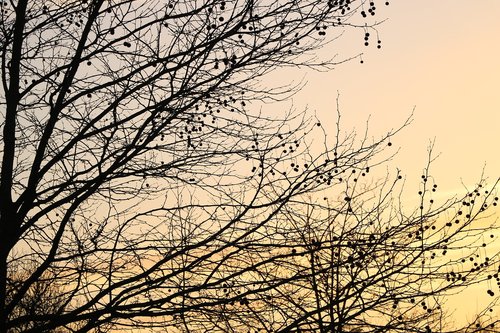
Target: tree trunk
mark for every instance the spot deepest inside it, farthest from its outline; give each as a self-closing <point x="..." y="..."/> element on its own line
<point x="3" y="284"/>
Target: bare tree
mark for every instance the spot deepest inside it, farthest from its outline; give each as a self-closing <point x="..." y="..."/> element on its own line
<point x="139" y="186"/>
<point x="363" y="262"/>
<point x="44" y="296"/>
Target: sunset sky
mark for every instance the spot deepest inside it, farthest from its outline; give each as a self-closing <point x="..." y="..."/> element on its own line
<point x="140" y="187"/>
<point x="441" y="58"/>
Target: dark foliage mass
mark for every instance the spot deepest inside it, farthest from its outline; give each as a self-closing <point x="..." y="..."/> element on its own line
<point x="144" y="186"/>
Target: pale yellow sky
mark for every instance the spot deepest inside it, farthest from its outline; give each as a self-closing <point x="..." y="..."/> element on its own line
<point x="441" y="57"/>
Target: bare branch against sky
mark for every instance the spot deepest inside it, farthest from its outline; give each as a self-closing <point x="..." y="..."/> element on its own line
<point x="146" y="186"/>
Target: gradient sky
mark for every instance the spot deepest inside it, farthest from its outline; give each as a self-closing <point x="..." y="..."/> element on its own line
<point x="441" y="57"/>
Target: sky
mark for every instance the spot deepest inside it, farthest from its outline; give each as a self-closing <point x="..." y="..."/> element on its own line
<point x="440" y="59"/>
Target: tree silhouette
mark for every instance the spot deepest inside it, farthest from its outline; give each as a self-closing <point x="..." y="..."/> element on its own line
<point x="362" y="263"/>
<point x="44" y="296"/>
<point x="141" y="187"/>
